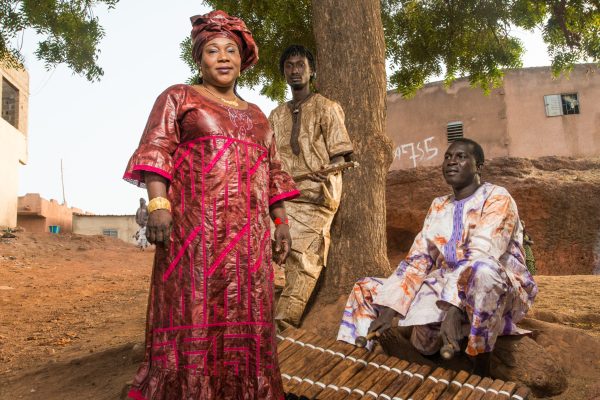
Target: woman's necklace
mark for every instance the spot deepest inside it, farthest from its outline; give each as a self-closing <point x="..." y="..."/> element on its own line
<point x="233" y="103"/>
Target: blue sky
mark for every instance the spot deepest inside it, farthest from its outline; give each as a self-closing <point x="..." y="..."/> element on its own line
<point x="94" y="127"/>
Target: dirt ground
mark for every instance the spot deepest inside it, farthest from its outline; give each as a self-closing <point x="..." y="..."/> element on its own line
<point x="72" y="312"/>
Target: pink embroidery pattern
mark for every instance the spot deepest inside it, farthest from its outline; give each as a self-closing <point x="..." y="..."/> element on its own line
<point x="222" y="239"/>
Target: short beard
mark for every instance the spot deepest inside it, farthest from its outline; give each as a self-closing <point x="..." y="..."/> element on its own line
<point x="297" y="86"/>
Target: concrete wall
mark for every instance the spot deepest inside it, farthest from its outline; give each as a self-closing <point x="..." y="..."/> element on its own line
<point x="13" y="147"/>
<point x="417" y="126"/>
<point x="510" y="121"/>
<point x="533" y="134"/>
<point x="36" y="214"/>
<point x="95" y="224"/>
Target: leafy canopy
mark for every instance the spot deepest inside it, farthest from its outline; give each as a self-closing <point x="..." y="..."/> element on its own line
<point x="426" y="38"/>
<point x="473" y="38"/>
<point x="69" y="28"/>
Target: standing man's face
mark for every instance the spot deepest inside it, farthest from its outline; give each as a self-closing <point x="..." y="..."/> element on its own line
<point x="297" y="72"/>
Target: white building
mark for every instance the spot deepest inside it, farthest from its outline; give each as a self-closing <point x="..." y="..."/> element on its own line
<point x="13" y="139"/>
<point x="123" y="227"/>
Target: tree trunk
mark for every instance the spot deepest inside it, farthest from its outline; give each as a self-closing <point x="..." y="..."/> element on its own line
<point x="351" y="71"/>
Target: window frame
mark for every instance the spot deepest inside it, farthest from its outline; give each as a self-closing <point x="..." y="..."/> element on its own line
<point x="564" y="103"/>
<point x="555" y="105"/>
<point x="110" y="230"/>
<point x="7" y="83"/>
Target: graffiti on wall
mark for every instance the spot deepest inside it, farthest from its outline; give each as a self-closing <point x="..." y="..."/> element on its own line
<point x="417" y="152"/>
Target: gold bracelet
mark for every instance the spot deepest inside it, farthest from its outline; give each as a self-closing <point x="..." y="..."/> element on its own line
<point x="159" y="203"/>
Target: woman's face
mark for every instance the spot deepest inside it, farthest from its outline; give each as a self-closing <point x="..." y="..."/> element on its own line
<point x="221" y="62"/>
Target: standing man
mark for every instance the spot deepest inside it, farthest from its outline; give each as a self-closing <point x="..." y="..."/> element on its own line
<point x="141" y="218"/>
<point x="141" y="215"/>
<point x="310" y="135"/>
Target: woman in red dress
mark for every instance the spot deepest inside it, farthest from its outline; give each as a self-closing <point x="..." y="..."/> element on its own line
<point x="213" y="176"/>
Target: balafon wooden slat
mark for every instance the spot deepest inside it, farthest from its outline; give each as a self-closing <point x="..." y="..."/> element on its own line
<point x="313" y="367"/>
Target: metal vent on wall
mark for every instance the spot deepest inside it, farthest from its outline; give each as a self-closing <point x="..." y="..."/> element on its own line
<point x="454" y="131"/>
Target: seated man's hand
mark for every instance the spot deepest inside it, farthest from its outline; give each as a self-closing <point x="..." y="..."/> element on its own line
<point x="383" y="320"/>
<point x="451" y="329"/>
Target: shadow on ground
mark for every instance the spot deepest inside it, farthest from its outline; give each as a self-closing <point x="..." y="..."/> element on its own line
<point x="99" y="376"/>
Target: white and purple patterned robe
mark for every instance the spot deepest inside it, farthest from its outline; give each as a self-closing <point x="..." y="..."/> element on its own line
<point x="469" y="254"/>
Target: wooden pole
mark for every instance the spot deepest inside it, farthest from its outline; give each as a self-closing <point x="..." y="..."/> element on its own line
<point x="62" y="181"/>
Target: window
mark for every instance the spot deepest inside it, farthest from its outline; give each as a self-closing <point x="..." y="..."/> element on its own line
<point x="454" y="130"/>
<point x="110" y="232"/>
<point x="10" y="103"/>
<point x="561" y="104"/>
<point x="570" y="104"/>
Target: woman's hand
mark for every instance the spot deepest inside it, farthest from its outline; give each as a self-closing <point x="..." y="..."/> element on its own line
<point x="283" y="242"/>
<point x="158" y="228"/>
<point x="383" y="320"/>
<point x="283" y="239"/>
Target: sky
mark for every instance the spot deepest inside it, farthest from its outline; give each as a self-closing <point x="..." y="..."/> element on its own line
<point x="95" y="127"/>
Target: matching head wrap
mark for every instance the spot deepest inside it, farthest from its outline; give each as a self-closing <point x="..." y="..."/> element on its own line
<point x="220" y="24"/>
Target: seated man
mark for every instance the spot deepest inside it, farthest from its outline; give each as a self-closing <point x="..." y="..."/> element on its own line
<point x="467" y="261"/>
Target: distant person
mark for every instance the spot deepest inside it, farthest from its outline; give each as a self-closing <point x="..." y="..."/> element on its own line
<point x="311" y="135"/>
<point x="209" y="161"/>
<point x="464" y="276"/>
<point x="141" y="218"/>
<point x="141" y="215"/>
<point x="141" y="239"/>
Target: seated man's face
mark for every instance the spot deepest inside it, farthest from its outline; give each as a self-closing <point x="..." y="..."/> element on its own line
<point x="459" y="166"/>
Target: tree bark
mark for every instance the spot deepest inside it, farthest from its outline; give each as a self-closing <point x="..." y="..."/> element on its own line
<point x="351" y="71"/>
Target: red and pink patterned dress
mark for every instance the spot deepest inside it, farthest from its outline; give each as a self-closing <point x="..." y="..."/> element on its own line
<point x="210" y="332"/>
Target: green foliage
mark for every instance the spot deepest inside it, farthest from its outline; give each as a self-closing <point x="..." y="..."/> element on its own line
<point x="275" y="24"/>
<point x="458" y="38"/>
<point x="454" y="38"/>
<point x="70" y="32"/>
<point x="186" y="57"/>
<point x="572" y="32"/>
<point x="426" y="38"/>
